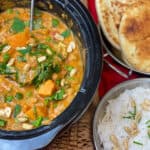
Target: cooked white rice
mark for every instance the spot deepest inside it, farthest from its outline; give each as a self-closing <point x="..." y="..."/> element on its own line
<point x="113" y="122"/>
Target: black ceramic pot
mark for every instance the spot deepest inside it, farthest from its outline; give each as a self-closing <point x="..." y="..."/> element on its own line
<point x="86" y="31"/>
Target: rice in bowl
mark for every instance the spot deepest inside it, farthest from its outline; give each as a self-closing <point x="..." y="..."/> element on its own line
<point x="126" y="124"/>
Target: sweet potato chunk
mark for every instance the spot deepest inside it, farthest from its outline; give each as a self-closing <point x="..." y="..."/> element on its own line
<point x="47" y="88"/>
<point x="19" y="39"/>
<point x="41" y="111"/>
<point x="30" y="113"/>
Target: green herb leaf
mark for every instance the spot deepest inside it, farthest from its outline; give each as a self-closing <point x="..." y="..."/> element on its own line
<point x="131" y="115"/>
<point x="2" y="123"/>
<point x="127" y="117"/>
<point x="38" y="122"/>
<point x="5" y="70"/>
<point x="2" y="46"/>
<point x="19" y="96"/>
<point x="9" y="99"/>
<point x="134" y="111"/>
<point x="66" y="33"/>
<point x="70" y="78"/>
<point x="56" y="68"/>
<point x="17" y="110"/>
<point x="25" y="50"/>
<point x="69" y="68"/>
<point x="147" y="122"/>
<point x="46" y="101"/>
<point x="41" y="50"/>
<point x="148" y="133"/>
<point x="6" y="57"/>
<point x="58" y="82"/>
<point x="48" y="39"/>
<point x="44" y="72"/>
<point x="60" y="56"/>
<point x="138" y="143"/>
<point x="2" y="68"/>
<point x="42" y="46"/>
<point x="21" y="58"/>
<point x="18" y="25"/>
<point x="55" y="22"/>
<point x="59" y="94"/>
<point x="56" y="96"/>
<point x="29" y="94"/>
<point x="10" y="11"/>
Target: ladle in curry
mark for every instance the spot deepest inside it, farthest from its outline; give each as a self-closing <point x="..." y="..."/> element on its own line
<point x="31" y="14"/>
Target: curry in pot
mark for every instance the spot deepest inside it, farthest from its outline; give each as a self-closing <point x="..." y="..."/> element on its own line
<point x="40" y="71"/>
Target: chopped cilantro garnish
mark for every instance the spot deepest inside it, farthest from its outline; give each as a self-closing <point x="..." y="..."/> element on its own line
<point x="48" y="39"/>
<point x="38" y="122"/>
<point x="5" y="70"/>
<point x="19" y="96"/>
<point x="21" y="58"/>
<point x="69" y="68"/>
<point x="147" y="122"/>
<point x="56" y="68"/>
<point x="6" y="57"/>
<point x="9" y="98"/>
<point x="18" y="25"/>
<point x="58" y="82"/>
<point x="56" y="96"/>
<point x="2" y="123"/>
<point x="17" y="110"/>
<point x="59" y="94"/>
<point x="148" y="133"/>
<point x="131" y="115"/>
<point x="2" y="46"/>
<point x="29" y="94"/>
<point x="66" y="33"/>
<point x="45" y="71"/>
<point x="25" y="50"/>
<point x="55" y="22"/>
<point x="138" y="143"/>
<point x="42" y="46"/>
<point x="10" y="11"/>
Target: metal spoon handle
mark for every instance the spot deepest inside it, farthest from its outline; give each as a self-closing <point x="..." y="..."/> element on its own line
<point x="31" y="14"/>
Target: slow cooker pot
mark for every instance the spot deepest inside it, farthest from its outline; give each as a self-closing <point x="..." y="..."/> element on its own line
<point x="76" y="16"/>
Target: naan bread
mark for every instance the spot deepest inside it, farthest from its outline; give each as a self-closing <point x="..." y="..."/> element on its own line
<point x="134" y="35"/>
<point x="109" y="14"/>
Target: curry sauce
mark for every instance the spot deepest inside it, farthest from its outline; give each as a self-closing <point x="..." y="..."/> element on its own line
<point x="40" y="71"/>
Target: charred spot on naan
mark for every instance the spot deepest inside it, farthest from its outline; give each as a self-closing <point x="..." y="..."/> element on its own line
<point x="134" y="26"/>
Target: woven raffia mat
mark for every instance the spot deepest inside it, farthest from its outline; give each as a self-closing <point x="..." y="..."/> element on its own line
<point x="79" y="135"/>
